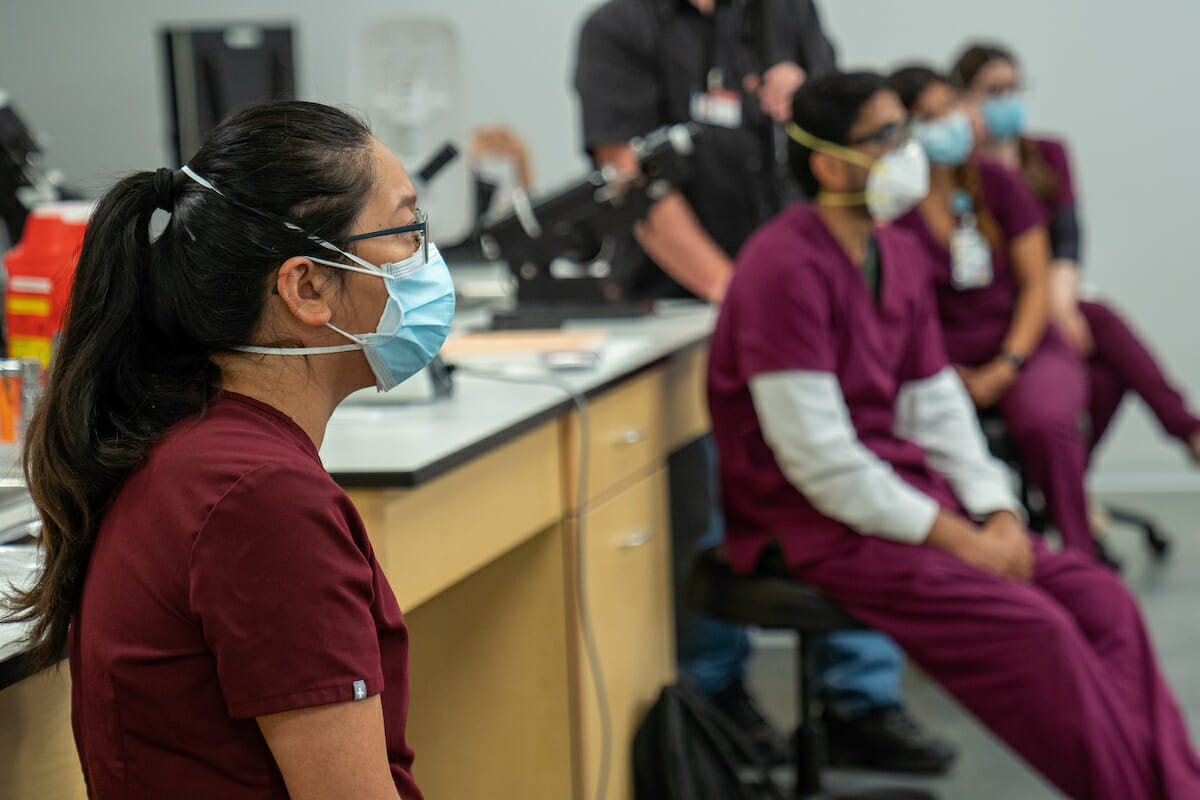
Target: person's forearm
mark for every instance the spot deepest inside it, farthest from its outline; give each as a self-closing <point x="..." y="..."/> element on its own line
<point x="1030" y="260"/>
<point x="1064" y="286"/>
<point x="678" y="243"/>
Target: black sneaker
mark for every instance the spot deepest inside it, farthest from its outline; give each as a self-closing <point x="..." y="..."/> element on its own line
<point x="772" y="746"/>
<point x="885" y="739"/>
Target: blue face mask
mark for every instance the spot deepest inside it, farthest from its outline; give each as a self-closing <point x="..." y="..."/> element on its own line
<point x="414" y="323"/>
<point x="1005" y="116"/>
<point x="948" y="141"/>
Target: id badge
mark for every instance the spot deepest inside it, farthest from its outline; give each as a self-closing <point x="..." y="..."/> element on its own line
<point x="720" y="107"/>
<point x="970" y="259"/>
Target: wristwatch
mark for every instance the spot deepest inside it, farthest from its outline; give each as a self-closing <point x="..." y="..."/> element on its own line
<point x="1017" y="361"/>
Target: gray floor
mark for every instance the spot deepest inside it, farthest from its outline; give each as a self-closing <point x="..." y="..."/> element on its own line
<point x="986" y="769"/>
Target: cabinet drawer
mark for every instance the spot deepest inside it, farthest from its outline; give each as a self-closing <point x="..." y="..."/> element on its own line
<point x="627" y="548"/>
<point x="625" y="436"/>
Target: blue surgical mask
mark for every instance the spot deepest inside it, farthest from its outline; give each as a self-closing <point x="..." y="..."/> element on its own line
<point x="948" y="141"/>
<point x="414" y="323"/>
<point x="1005" y="116"/>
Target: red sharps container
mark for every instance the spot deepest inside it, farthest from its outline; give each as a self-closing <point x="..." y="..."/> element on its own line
<point x="40" y="269"/>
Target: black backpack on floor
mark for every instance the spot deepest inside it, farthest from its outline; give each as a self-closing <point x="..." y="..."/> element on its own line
<point x="686" y="749"/>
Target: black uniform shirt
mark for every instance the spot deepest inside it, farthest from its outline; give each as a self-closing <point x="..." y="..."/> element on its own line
<point x="641" y="62"/>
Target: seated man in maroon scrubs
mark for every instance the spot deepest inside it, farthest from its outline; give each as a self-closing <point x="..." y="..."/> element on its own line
<point x="848" y="440"/>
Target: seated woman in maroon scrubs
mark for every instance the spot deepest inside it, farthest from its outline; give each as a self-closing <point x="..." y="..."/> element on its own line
<point x="846" y="438"/>
<point x="1118" y="361"/>
<point x="985" y="233"/>
<point x="231" y="633"/>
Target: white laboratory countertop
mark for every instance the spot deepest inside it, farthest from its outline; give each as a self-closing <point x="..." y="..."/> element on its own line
<point x="404" y="444"/>
<point x="18" y="567"/>
<point x="408" y="443"/>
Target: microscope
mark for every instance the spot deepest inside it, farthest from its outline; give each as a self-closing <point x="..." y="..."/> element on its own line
<point x="562" y="249"/>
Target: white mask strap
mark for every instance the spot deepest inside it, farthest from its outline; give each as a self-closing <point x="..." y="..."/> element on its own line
<point x="307" y="351"/>
<point x="186" y="170"/>
<point x="378" y="273"/>
<point x="364" y="266"/>
<point x="298" y="351"/>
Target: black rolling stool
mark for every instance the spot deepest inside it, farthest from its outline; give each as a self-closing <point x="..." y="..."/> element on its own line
<point x="770" y="599"/>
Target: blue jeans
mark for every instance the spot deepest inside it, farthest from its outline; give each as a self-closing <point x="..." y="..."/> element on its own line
<point x="857" y="670"/>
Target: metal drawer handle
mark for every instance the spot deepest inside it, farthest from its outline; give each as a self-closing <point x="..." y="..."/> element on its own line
<point x="632" y="436"/>
<point x="636" y="539"/>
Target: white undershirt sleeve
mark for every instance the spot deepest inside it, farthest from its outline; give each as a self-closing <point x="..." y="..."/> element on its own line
<point x="806" y="424"/>
<point x="937" y="414"/>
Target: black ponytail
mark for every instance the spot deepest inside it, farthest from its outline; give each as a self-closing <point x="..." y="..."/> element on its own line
<point x="146" y="314"/>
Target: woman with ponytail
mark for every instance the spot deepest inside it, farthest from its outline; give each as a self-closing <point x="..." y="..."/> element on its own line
<point x="1118" y="360"/>
<point x="230" y="631"/>
<point x="985" y="234"/>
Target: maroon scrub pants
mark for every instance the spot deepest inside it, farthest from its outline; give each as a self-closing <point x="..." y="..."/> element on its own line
<point x="1045" y="409"/>
<point x="1122" y="363"/>
<point x="1060" y="668"/>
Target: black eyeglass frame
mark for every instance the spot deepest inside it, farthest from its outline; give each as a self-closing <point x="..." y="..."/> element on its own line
<point x="893" y="133"/>
<point x="421" y="226"/>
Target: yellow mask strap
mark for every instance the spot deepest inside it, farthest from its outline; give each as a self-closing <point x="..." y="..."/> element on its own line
<point x="841" y="198"/>
<point x="805" y="138"/>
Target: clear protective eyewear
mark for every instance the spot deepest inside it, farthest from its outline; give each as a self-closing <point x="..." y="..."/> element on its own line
<point x="418" y="230"/>
<point x="893" y="136"/>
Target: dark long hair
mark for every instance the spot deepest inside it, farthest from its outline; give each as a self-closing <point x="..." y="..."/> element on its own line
<point x="827" y="106"/>
<point x="146" y="314"/>
<point x="1038" y="174"/>
<point x="910" y="83"/>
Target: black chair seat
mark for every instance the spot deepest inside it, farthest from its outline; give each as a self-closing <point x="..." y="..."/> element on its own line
<point x="768" y="600"/>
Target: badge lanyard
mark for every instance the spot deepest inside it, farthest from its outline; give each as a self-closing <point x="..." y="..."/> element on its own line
<point x="970" y="253"/>
<point x="715" y="103"/>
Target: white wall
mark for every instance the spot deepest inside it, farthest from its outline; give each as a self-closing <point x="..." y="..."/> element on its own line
<point x="87" y="76"/>
<point x="1118" y="79"/>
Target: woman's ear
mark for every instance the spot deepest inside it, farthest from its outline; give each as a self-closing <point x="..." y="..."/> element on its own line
<point x="307" y="291"/>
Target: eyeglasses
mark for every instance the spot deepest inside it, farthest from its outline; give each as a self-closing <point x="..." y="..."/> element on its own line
<point x="1005" y="89"/>
<point x="893" y="134"/>
<point x="418" y="232"/>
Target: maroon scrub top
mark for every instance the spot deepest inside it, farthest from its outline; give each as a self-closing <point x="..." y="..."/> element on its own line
<point x="231" y="578"/>
<point x="797" y="303"/>
<point x="1062" y="218"/>
<point x="976" y="321"/>
<point x="1054" y="153"/>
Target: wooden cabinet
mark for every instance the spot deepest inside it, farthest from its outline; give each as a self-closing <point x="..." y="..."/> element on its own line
<point x="626" y="547"/>
<point x="429" y="538"/>
<point x="37" y="749"/>
<point x="490" y="709"/>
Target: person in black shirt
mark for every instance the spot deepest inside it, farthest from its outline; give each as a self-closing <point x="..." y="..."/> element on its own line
<point x="647" y="63"/>
<point x="730" y="66"/>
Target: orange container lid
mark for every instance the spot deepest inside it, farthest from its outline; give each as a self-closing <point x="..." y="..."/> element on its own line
<point x="52" y="230"/>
